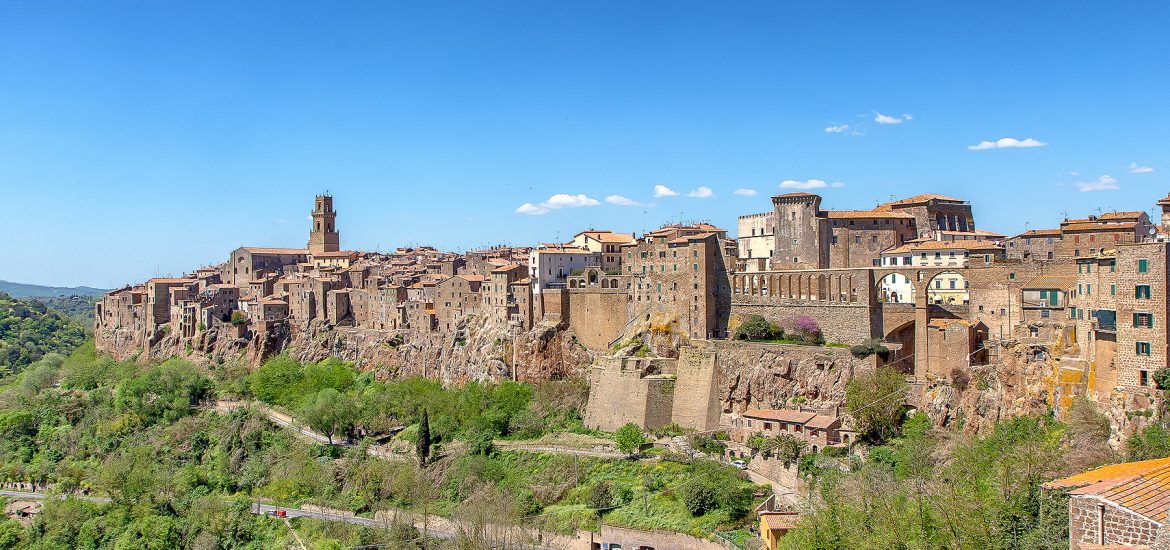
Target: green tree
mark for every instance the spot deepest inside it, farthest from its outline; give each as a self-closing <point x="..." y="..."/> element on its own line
<point x="329" y="412"/>
<point x="1150" y="443"/>
<point x="788" y="449"/>
<point x="875" y="400"/>
<point x="698" y="495"/>
<point x="756" y="328"/>
<point x="422" y="446"/>
<point x="630" y="438"/>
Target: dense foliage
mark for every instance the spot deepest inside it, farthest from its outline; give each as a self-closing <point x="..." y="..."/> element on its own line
<point x="929" y="489"/>
<point x="800" y="329"/>
<point x="29" y="330"/>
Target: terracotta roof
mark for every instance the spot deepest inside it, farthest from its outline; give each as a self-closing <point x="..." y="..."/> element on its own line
<point x="943" y="323"/>
<point x="1140" y="487"/>
<point x="1099" y="226"/>
<point x="523" y="281"/>
<point x="1039" y="233"/>
<point x="337" y="254"/>
<point x="170" y="281"/>
<point x="1164" y="202"/>
<point x="286" y="251"/>
<point x="561" y="249"/>
<point x="1129" y="215"/>
<point x="607" y="236"/>
<point x="506" y="267"/>
<point x="921" y="199"/>
<point x="778" y="520"/>
<point x="780" y="415"/>
<point x="944" y="245"/>
<point x="844" y="214"/>
<point x="1052" y="281"/>
<point x="822" y="421"/>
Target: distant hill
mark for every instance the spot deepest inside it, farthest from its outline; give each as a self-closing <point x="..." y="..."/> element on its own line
<point x="29" y="330"/>
<point x="22" y="290"/>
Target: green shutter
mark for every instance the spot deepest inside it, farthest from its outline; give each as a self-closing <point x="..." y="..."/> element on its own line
<point x="1143" y="266"/>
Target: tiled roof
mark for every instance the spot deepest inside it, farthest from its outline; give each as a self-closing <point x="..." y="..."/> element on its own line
<point x="921" y="199"/>
<point x="780" y="415"/>
<point x="1129" y="215"/>
<point x="1051" y="281"/>
<point x="170" y="280"/>
<point x="286" y="251"/>
<point x="337" y="254"/>
<point x="1039" y="233"/>
<point x="1141" y="487"/>
<point x="866" y="214"/>
<point x="822" y="422"/>
<point x="1099" y="226"/>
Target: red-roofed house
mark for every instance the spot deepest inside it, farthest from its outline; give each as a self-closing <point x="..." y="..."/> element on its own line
<point x="1121" y="506"/>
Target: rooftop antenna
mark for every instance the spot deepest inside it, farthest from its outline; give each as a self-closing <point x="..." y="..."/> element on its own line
<point x="1064" y="214"/>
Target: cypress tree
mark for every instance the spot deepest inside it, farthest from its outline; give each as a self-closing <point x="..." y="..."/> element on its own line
<point x="423" y="445"/>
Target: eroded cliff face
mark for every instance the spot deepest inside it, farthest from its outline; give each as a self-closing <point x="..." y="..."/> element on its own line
<point x="479" y="350"/>
<point x="784" y="376"/>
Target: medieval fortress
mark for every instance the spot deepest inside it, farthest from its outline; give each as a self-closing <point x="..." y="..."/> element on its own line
<point x="983" y="325"/>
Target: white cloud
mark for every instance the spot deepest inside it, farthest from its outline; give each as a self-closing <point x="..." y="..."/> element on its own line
<point x="887" y="119"/>
<point x="1006" y="143"/>
<point x="557" y="201"/>
<point x="1103" y="183"/>
<point x="745" y="192"/>
<point x="531" y="209"/>
<point x="280" y="220"/>
<point x="809" y="184"/>
<point x="1074" y="173"/>
<point x="837" y="129"/>
<point x="703" y="192"/>
<point x="1135" y="169"/>
<point x="622" y="201"/>
<point x="664" y="191"/>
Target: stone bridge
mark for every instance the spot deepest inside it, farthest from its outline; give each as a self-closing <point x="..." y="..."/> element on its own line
<point x="850" y="305"/>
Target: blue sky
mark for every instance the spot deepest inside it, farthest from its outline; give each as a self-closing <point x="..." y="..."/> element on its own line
<point x="151" y="138"/>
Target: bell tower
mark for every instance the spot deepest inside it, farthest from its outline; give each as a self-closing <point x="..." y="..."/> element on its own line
<point x="323" y="236"/>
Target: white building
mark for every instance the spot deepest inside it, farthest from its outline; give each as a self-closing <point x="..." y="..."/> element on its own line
<point x="945" y="288"/>
<point x="757" y="240"/>
<point x="550" y="264"/>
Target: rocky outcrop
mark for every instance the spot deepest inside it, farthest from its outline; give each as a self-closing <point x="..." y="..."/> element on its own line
<point x="478" y="350"/>
<point x="754" y="375"/>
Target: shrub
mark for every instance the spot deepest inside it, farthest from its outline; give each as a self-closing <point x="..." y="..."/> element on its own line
<point x="629" y="438"/>
<point x="873" y="346"/>
<point x="803" y="328"/>
<point x="756" y="328"/>
<point x="1162" y="378"/>
<point x="698" y="496"/>
<point x="238" y="317"/>
<point x="600" y="496"/>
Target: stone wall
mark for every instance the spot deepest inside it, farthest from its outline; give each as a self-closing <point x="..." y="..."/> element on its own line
<point x="774" y="376"/>
<point x="627" y="389"/>
<point x="696" y="398"/>
<point x="1122" y="527"/>
<point x="598" y="316"/>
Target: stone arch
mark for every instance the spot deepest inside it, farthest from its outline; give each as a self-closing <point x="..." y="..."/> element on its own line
<point x="948" y="288"/>
<point x="605" y="283"/>
<point x="822" y="290"/>
<point x="613" y="283"/>
<point x="896" y="288"/>
<point x="592" y="277"/>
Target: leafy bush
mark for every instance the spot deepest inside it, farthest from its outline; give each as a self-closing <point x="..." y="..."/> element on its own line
<point x="872" y="346"/>
<point x="1162" y="378"/>
<point x="238" y="317"/>
<point x="698" y="496"/>
<point x="803" y="328"/>
<point x="629" y="438"/>
<point x="757" y="328"/>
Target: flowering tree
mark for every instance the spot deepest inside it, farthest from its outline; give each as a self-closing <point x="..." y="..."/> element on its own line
<point x="803" y="328"/>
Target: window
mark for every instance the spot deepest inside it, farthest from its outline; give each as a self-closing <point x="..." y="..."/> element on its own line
<point x="1141" y="292"/>
<point x="1143" y="266"/>
<point x="1011" y="276"/>
<point x="1113" y="290"/>
<point x="1143" y="320"/>
<point x="1142" y="348"/>
<point x="1072" y="313"/>
<point x="1144" y="377"/>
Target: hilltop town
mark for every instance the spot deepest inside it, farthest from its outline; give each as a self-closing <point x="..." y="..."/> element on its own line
<point x="984" y="325"/>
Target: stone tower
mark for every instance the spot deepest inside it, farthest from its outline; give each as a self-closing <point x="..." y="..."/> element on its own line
<point x="1164" y="204"/>
<point x="323" y="236"/>
<point x="799" y="239"/>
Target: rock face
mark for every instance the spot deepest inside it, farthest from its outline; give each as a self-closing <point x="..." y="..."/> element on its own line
<point x="753" y="375"/>
<point x="479" y="350"/>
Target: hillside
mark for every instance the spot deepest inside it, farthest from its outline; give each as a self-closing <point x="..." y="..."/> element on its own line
<point x="24" y="290"/>
<point x="29" y="330"/>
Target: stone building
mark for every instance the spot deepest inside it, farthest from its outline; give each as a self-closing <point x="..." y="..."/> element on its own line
<point x="1090" y="235"/>
<point x="550" y="264"/>
<point x="1118" y="506"/>
<point x="817" y="430"/>
<point x="456" y="298"/>
<point x="934" y="214"/>
<point x="679" y="279"/>
<point x="756" y="241"/>
<point x="249" y="262"/>
<point x="807" y="237"/>
<point x="654" y="392"/>
<point x="1034" y="245"/>
<point x="323" y="237"/>
<point x="1120" y="310"/>
<point x="607" y="243"/>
